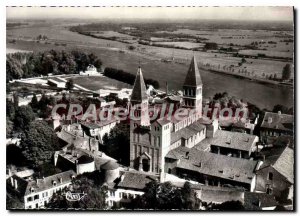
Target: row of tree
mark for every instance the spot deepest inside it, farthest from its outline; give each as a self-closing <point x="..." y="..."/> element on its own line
<point x="26" y="65"/>
<point x="127" y="77"/>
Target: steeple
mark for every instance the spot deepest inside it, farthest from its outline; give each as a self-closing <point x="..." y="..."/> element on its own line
<point x="192" y="88"/>
<point x="139" y="101"/>
<point x="139" y="91"/>
<point x="193" y="78"/>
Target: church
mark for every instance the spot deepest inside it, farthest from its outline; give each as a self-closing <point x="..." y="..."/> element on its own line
<point x="150" y="141"/>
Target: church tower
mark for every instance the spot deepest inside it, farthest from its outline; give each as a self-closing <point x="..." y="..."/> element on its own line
<point x="139" y="101"/>
<point x="192" y="88"/>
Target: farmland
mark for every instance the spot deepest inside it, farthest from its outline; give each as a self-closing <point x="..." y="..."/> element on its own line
<point x="150" y="60"/>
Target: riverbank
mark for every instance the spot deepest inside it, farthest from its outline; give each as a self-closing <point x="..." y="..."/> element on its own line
<point x="253" y="79"/>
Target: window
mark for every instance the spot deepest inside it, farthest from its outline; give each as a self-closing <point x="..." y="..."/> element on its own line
<point x="36" y="197"/>
<point x="269" y="189"/>
<point x="270" y="176"/>
<point x="29" y="199"/>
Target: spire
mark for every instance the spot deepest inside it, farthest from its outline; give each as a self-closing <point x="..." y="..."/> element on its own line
<point x="193" y="77"/>
<point x="139" y="88"/>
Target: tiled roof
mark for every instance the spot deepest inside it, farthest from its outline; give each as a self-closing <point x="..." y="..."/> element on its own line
<point x="285" y="164"/>
<point x="187" y="132"/>
<point x="110" y="165"/>
<point x="85" y="159"/>
<point x="24" y="187"/>
<point x="90" y="125"/>
<point x="163" y="121"/>
<point x="136" y="180"/>
<point x="235" y="169"/>
<point x="279" y="121"/>
<point x="220" y="196"/>
<point x="233" y="140"/>
<point x="139" y="91"/>
<point x="257" y="201"/>
<point x="193" y="77"/>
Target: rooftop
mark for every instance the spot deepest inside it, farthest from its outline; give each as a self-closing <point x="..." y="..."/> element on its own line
<point x="136" y="180"/>
<point x="139" y="88"/>
<point x="24" y="186"/>
<point x="193" y="77"/>
<point x="278" y="121"/>
<point x="235" y="169"/>
<point x="281" y="159"/>
<point x="257" y="201"/>
<point x="233" y="140"/>
<point x="285" y="164"/>
<point x="187" y="132"/>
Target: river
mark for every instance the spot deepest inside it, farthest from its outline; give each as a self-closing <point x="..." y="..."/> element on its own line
<point x="264" y="96"/>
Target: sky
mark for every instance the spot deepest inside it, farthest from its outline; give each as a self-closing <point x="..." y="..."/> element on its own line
<point x="217" y="13"/>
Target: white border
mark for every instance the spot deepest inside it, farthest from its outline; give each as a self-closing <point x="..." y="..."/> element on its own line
<point x="116" y="3"/>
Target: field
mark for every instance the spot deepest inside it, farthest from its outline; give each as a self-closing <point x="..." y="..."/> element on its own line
<point x="149" y="57"/>
<point x="246" y="37"/>
<point x="95" y="83"/>
<point x="184" y="45"/>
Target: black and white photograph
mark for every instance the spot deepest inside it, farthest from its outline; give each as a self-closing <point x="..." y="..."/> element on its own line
<point x="150" y="108"/>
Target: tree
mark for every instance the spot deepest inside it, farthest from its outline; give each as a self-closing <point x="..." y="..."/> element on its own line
<point x="70" y="84"/>
<point x="165" y="196"/>
<point x="210" y="46"/>
<point x="38" y="143"/>
<point x="286" y="72"/>
<point x="228" y="206"/>
<point x="281" y="108"/>
<point x="86" y="183"/>
<point x="13" y="202"/>
<point x="23" y="117"/>
<point x="46" y="169"/>
<point x="34" y="103"/>
<point x="117" y="142"/>
<point x="15" y="156"/>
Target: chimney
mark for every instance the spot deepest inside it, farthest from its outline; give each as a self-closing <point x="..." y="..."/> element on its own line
<point x="16" y="184"/>
<point x="270" y="120"/>
<point x="12" y="181"/>
<point x="60" y="180"/>
<point x="279" y="112"/>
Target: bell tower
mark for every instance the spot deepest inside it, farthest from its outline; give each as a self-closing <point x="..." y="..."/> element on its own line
<point x="139" y="101"/>
<point x="192" y="88"/>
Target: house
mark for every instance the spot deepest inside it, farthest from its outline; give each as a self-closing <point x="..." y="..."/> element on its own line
<point x="79" y="160"/>
<point x="98" y="129"/>
<point x="123" y="184"/>
<point x="233" y="144"/>
<point x="275" y="125"/>
<point x="212" y="169"/>
<point x="276" y="175"/>
<point x="244" y="126"/>
<point x="90" y="70"/>
<point x="259" y="201"/>
<point x="36" y="193"/>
